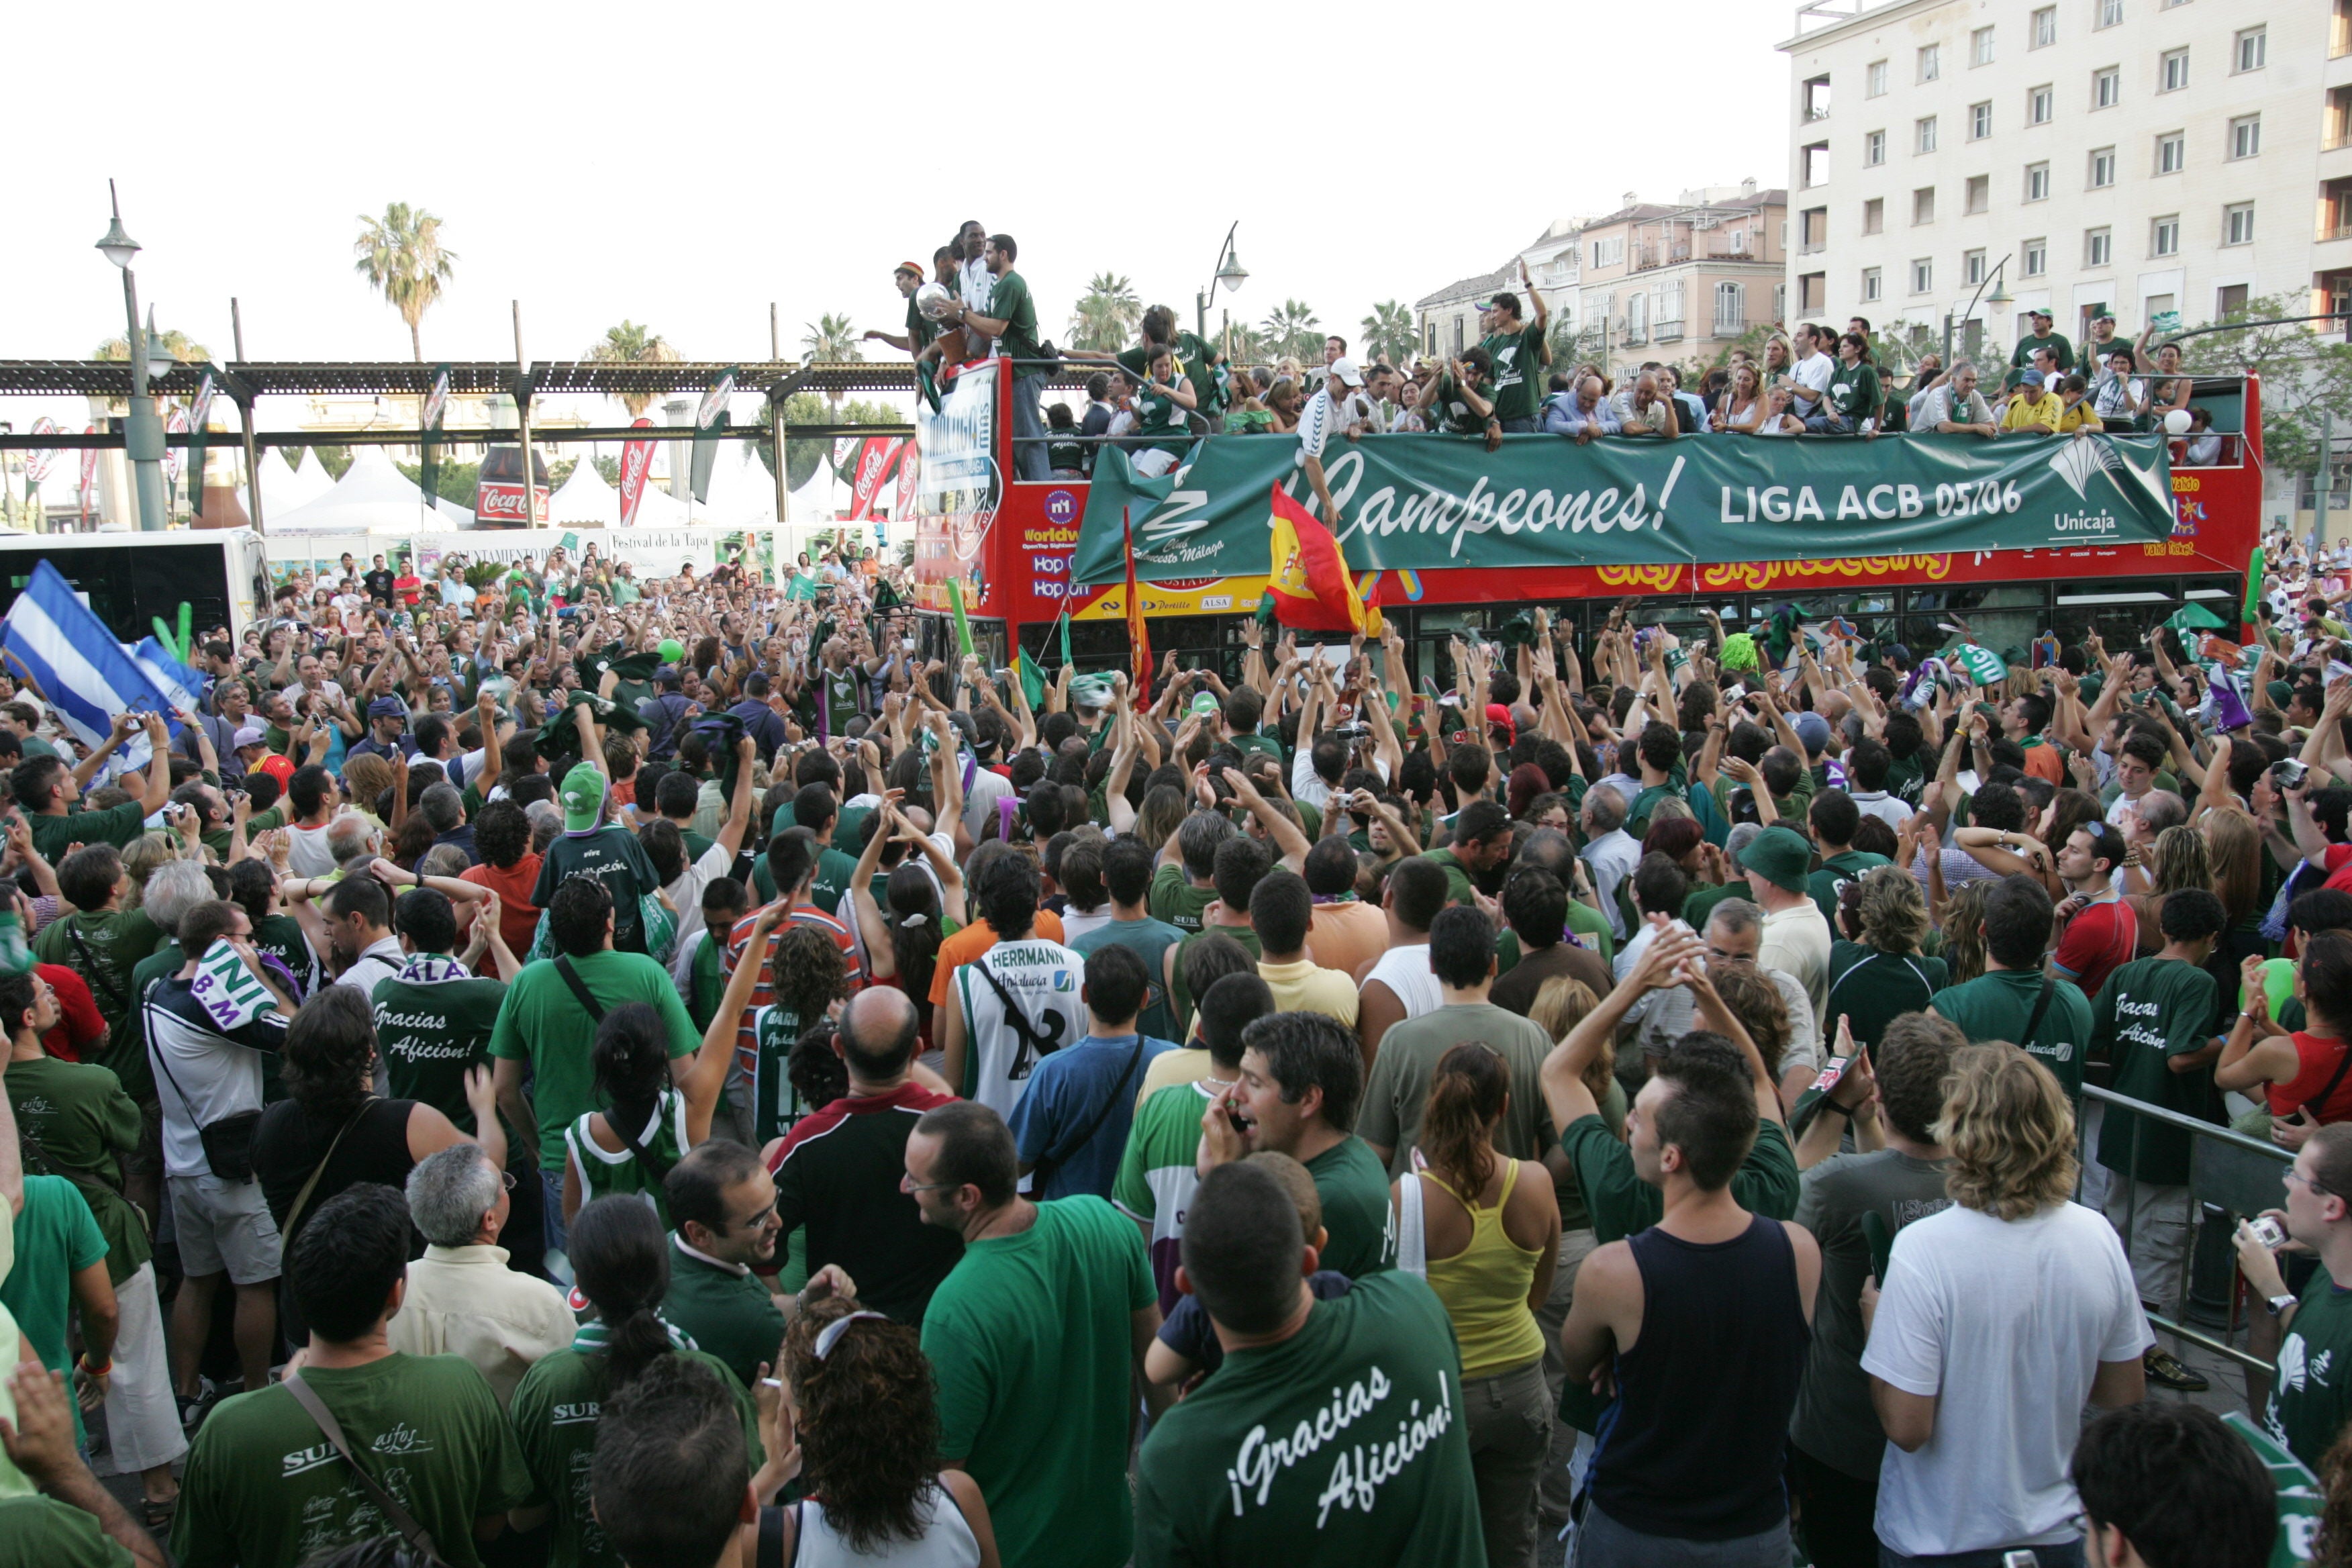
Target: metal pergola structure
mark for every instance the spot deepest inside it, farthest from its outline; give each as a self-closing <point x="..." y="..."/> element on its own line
<point x="246" y="384"/>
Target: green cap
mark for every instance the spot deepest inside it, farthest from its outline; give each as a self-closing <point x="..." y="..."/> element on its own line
<point x="583" y="797"/>
<point x="1204" y="705"/>
<point x="1780" y="855"/>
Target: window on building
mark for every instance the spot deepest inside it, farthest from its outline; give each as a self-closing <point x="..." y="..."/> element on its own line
<point x="2045" y="27"/>
<point x="2110" y="14"/>
<point x="1922" y="205"/>
<point x="2340" y="35"/>
<point x="2172" y="70"/>
<point x="1812" y="230"/>
<point x="1923" y="275"/>
<point x="1817" y="97"/>
<point x="1931" y="62"/>
<point x="1980" y="46"/>
<point x="2245" y="136"/>
<point x="1428" y="337"/>
<point x="2098" y="247"/>
<point x="1925" y="135"/>
<point x="2336" y="119"/>
<point x="1873" y="77"/>
<point x="1730" y="309"/>
<point x="2252" y="50"/>
<point x="2035" y="254"/>
<point x="1979" y="121"/>
<point x="1637" y="319"/>
<point x="2103" y="168"/>
<point x="1812" y="292"/>
<point x="1870" y="284"/>
<point x="2037" y="182"/>
<point x="2040" y="103"/>
<point x="1972" y="268"/>
<point x="2171" y="152"/>
<point x="2229" y="299"/>
<point x="1814" y="164"/>
<point x="2164" y="236"/>
<point x="1874" y="216"/>
<point x="2238" y="220"/>
<point x="2106" y="87"/>
<point x="1874" y="149"/>
<point x="1979" y="193"/>
<point x="1780" y="302"/>
<point x="1608" y="252"/>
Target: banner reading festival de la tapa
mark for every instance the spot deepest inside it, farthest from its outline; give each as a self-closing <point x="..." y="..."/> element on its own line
<point x="1417" y="502"/>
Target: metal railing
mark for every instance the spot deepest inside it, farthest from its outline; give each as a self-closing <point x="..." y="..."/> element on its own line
<point x="2230" y="1174"/>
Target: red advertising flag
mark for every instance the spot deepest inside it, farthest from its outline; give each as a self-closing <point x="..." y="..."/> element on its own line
<point x="89" y="470"/>
<point x="910" y="468"/>
<point x="636" y="463"/>
<point x="1138" y="632"/>
<point x="872" y="468"/>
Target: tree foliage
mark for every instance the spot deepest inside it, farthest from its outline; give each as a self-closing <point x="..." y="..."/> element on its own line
<point x="184" y="348"/>
<point x="831" y="339"/>
<point x="456" y="481"/>
<point x="1292" y="328"/>
<point x="1389" y="332"/>
<point x="1105" y="315"/>
<point x="802" y="457"/>
<point x="630" y="343"/>
<point x="2306" y="373"/>
<point x="401" y="256"/>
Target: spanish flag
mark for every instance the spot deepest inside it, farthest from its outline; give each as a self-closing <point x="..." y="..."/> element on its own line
<point x="1138" y="632"/>
<point x="1309" y="576"/>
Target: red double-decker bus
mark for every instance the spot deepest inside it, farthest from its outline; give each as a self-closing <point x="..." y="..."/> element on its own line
<point x="1011" y="544"/>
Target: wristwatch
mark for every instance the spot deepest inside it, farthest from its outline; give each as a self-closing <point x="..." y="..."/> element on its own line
<point x="2279" y="1304"/>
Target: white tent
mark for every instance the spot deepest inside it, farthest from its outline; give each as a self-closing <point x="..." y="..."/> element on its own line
<point x="656" y="508"/>
<point x="742" y="492"/>
<point x="371" y="495"/>
<point x="457" y="516"/>
<point x="285" y="486"/>
<point x="586" y="499"/>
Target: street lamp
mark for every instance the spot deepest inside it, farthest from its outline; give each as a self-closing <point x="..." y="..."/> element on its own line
<point x="1230" y="272"/>
<point x="142" y="439"/>
<point x="1998" y="301"/>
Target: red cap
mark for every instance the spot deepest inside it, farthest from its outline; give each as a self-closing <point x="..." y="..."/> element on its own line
<point x="276" y="766"/>
<point x="1498" y="714"/>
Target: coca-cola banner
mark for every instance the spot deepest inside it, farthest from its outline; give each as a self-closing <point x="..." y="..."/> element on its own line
<point x="637" y="464"/>
<point x="874" y="464"/>
<point x="502" y="502"/>
<point x="910" y="468"/>
<point x="38" y="460"/>
<point x="89" y="470"/>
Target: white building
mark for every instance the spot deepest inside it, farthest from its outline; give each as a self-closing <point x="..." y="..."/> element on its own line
<point x="2152" y="155"/>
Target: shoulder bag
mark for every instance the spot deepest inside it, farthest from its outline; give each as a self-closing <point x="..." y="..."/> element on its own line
<point x="418" y="1538"/>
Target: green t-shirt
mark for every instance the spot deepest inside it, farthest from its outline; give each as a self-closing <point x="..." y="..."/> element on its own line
<point x="1176" y="900"/>
<point x="1180" y="996"/>
<point x="1620" y="1202"/>
<point x="731" y="1315"/>
<point x="42" y="1531"/>
<point x="2311" y="1397"/>
<point x="1159" y="416"/>
<point x="1255" y="743"/>
<point x="1872" y="988"/>
<point x="1009" y="301"/>
<point x="542" y="1022"/>
<point x="1239" y="1472"/>
<point x="1361" y="1221"/>
<point x="117" y="825"/>
<point x="220" y="839"/>
<point x="1148" y="940"/>
<point x="282" y="937"/>
<point x="1591" y="928"/>
<point x="429" y="1033"/>
<point x="263" y="1485"/>
<point x="2148" y="1012"/>
<point x="828" y="889"/>
<point x="56" y="1238"/>
<point x="775" y="1104"/>
<point x="102" y="947"/>
<point x="1519" y="369"/>
<point x="1836" y="872"/>
<point x="1853" y="390"/>
<point x="1459" y="889"/>
<point x="1454" y="417"/>
<point x="1030" y="1341"/>
<point x="74" y="1118"/>
<point x="614" y="856"/>
<point x="555" y="1414"/>
<point x="1995" y="1006"/>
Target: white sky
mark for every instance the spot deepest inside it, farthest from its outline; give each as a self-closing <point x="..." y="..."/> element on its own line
<point x="684" y="168"/>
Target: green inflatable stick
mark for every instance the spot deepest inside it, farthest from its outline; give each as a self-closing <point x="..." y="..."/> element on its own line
<point x="187" y="616"/>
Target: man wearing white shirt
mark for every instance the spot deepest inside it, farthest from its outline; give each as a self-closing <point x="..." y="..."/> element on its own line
<point x="975" y="282"/>
<point x="462" y="1299"/>
<point x="1812" y="374"/>
<point x="1324" y="417"/>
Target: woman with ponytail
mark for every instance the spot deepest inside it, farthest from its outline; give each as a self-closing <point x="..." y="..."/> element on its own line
<point x="650" y="1120"/>
<point x="859" y="1428"/>
<point x="921" y="905"/>
<point x="620" y="1259"/>
<point x="1489" y="1228"/>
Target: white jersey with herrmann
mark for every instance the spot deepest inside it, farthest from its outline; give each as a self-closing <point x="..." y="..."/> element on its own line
<point x="1021" y="1002"/>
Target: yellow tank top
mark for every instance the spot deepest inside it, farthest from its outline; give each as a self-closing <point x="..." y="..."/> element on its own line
<point x="1484" y="1288"/>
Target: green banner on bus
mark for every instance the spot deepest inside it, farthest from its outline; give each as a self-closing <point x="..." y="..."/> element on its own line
<point x="1418" y="502"/>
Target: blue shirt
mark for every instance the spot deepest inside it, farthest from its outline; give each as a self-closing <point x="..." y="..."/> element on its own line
<point x="1078" y="1109"/>
<point x="1562" y="417"/>
<point x="760" y="723"/>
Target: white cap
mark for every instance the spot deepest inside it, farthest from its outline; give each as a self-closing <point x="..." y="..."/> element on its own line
<point x="1344" y="371"/>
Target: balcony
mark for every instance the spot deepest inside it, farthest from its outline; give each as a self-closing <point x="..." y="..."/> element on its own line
<point x="1649" y="258"/>
<point x="1670" y="331"/>
<point x="1632" y="337"/>
<point x="1730" y="326"/>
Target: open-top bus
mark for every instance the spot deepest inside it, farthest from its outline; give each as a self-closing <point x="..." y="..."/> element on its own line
<point x="2021" y="535"/>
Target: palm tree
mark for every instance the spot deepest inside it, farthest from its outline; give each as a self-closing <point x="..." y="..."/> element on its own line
<point x="630" y="343"/>
<point x="401" y="257"/>
<point x="1291" y="326"/>
<point x="1105" y="315"/>
<point x="830" y="339"/>
<point x="184" y="348"/>
<point x="1389" y="334"/>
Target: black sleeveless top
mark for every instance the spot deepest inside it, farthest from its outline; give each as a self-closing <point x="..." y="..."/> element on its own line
<point x="1693" y="1446"/>
<point x="289" y="1142"/>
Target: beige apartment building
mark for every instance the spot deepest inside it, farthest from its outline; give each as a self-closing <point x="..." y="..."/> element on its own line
<point x="2169" y="159"/>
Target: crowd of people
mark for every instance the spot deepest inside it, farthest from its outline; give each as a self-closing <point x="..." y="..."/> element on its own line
<point x="681" y="1078"/>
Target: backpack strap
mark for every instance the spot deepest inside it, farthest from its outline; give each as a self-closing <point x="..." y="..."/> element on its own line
<point x="399" y="1518"/>
<point x="579" y="987"/>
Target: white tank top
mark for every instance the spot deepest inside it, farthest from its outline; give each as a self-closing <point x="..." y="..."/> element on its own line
<point x="1406" y="972"/>
<point x="947" y="1542"/>
<point x="1042" y="981"/>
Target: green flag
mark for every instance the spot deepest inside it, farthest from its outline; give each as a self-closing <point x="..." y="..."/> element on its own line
<point x="2255" y="568"/>
<point x="2194" y="618"/>
<point x="1981" y="663"/>
<point x="1066" y="657"/>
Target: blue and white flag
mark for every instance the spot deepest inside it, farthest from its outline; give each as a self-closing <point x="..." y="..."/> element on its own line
<point x="181" y="686"/>
<point x="54" y="641"/>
